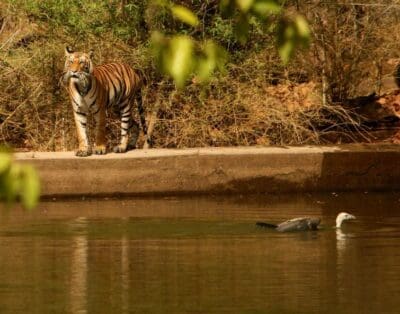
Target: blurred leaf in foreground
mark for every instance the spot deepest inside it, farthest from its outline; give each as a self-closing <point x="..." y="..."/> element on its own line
<point x="264" y="8"/>
<point x="185" y="15"/>
<point x="18" y="181"/>
<point x="213" y="58"/>
<point x="30" y="187"/>
<point x="180" y="59"/>
<point x="292" y="34"/>
<point x="5" y="162"/>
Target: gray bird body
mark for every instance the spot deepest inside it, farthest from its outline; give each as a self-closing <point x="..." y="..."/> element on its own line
<point x="299" y="224"/>
<point x="303" y="223"/>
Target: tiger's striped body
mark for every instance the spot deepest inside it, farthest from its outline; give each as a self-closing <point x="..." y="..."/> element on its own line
<point x="94" y="90"/>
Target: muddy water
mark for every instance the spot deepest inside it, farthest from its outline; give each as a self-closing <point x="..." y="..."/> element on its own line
<point x="201" y="255"/>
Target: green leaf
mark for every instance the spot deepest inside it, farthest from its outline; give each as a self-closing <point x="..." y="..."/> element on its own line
<point x="185" y="15"/>
<point x="266" y="7"/>
<point x="291" y="34"/>
<point x="205" y="68"/>
<point x="5" y="162"/>
<point x="286" y="51"/>
<point x="12" y="183"/>
<point x="303" y="29"/>
<point x="30" y="187"/>
<point x="207" y="64"/>
<point x="285" y="40"/>
<point x="179" y="60"/>
<point x="244" y="5"/>
<point x="214" y="58"/>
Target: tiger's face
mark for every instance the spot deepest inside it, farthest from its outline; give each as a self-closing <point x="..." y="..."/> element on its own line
<point x="78" y="66"/>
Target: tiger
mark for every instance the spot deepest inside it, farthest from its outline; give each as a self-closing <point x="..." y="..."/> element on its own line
<point x="95" y="89"/>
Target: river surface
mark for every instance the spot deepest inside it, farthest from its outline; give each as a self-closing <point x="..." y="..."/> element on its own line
<point x="201" y="255"/>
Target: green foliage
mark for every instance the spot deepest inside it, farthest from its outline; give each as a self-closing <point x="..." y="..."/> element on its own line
<point x="66" y="13"/>
<point x="243" y="11"/>
<point x="292" y="34"/>
<point x="175" y="56"/>
<point x="178" y="57"/>
<point x="202" y="31"/>
<point x="18" y="181"/>
<point x="182" y="56"/>
<point x="82" y="17"/>
<point x="222" y="31"/>
<point x="348" y="48"/>
<point x="228" y="24"/>
<point x="213" y="57"/>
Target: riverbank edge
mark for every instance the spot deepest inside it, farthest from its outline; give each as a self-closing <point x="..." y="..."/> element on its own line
<point x="225" y="170"/>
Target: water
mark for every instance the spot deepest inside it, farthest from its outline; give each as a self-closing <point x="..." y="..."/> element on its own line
<point x="201" y="255"/>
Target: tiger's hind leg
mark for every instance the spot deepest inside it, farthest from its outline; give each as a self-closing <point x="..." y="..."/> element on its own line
<point x="139" y="103"/>
<point x="135" y="130"/>
<point x="127" y="124"/>
<point x="132" y="139"/>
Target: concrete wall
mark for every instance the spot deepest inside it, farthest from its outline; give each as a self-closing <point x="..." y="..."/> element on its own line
<point x="219" y="170"/>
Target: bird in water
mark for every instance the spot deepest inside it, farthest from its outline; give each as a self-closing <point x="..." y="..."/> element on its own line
<point x="304" y="223"/>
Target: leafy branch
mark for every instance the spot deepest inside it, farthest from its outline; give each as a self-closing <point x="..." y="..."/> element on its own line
<point x="181" y="56"/>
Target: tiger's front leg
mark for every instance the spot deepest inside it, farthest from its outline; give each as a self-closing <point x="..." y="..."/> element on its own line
<point x="100" y="119"/>
<point x="81" y="122"/>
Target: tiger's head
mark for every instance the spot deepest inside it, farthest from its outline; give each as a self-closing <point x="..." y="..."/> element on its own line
<point x="78" y="68"/>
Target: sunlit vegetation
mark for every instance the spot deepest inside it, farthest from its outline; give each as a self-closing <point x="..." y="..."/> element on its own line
<point x="181" y="56"/>
<point x="229" y="72"/>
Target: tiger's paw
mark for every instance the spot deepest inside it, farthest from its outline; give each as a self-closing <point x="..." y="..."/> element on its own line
<point x="100" y="150"/>
<point x="119" y="149"/>
<point x="83" y="153"/>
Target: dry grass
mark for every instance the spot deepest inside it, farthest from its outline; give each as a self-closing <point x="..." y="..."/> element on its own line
<point x="250" y="115"/>
<point x="256" y="102"/>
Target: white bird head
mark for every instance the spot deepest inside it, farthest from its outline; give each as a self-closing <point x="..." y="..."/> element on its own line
<point x="342" y="217"/>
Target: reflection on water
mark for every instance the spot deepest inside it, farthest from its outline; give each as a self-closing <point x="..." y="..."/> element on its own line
<point x="79" y="267"/>
<point x="341" y="239"/>
<point x="202" y="255"/>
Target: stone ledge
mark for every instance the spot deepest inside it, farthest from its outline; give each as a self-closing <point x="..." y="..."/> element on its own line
<point x="219" y="170"/>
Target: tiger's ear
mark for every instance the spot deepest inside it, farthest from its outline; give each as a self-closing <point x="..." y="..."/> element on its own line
<point x="68" y="50"/>
<point x="91" y="53"/>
